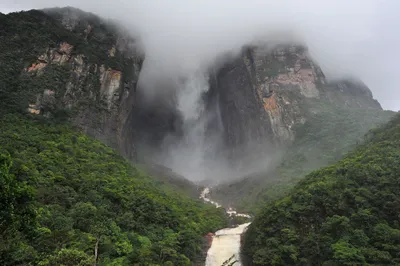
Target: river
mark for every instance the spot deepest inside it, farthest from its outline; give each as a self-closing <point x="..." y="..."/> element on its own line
<point x="225" y="247"/>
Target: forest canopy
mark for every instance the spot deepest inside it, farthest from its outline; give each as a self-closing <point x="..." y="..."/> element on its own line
<point x="343" y="214"/>
<point x="64" y="195"/>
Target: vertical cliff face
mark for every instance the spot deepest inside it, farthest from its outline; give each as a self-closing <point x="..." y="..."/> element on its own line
<point x="115" y="88"/>
<point x="243" y="118"/>
<point x="265" y="92"/>
<point x="280" y="96"/>
<point x="74" y="66"/>
<point x="81" y="67"/>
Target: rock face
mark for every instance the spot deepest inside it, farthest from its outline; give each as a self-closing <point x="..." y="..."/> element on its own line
<point x="99" y="90"/>
<point x="76" y="66"/>
<point x="265" y="92"/>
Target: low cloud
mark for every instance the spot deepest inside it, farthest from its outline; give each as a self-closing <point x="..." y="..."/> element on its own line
<point x="357" y="38"/>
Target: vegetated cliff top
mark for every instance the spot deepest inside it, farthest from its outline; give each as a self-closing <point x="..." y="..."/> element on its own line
<point x="343" y="214"/>
<point x="81" y="70"/>
<point x="25" y="36"/>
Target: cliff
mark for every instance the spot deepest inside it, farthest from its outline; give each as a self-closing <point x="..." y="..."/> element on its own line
<point x="71" y="65"/>
<point x="282" y="115"/>
<point x="265" y="92"/>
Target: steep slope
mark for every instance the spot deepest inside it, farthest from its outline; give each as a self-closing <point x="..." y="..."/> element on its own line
<point x="68" y="64"/>
<point x="344" y="214"/>
<point x="66" y="197"/>
<point x="268" y="90"/>
<point x="282" y="115"/>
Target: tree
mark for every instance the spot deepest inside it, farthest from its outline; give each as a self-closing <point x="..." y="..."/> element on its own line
<point x="17" y="215"/>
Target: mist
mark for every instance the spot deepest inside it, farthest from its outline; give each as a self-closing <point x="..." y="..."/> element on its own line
<point x="347" y="38"/>
<point x="183" y="39"/>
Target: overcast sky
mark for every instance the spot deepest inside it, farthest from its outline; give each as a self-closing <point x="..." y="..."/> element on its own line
<point x="353" y="37"/>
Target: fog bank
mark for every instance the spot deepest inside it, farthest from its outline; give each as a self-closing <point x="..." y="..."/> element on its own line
<point x="357" y="38"/>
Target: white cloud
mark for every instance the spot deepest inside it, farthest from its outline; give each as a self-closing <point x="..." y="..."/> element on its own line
<point x="357" y="37"/>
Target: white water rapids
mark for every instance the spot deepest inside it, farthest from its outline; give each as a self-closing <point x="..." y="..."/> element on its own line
<point x="225" y="247"/>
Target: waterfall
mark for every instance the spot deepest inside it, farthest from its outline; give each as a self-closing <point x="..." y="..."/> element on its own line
<point x="225" y="247"/>
<point x="192" y="147"/>
<point x="193" y="153"/>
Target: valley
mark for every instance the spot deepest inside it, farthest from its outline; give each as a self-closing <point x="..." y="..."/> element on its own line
<point x="112" y="156"/>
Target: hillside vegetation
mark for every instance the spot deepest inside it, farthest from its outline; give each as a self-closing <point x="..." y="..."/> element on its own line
<point x="64" y="195"/>
<point x="329" y="132"/>
<point x="66" y="199"/>
<point x="344" y="214"/>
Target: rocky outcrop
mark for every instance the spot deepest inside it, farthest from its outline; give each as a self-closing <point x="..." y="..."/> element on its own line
<point x="59" y="55"/>
<point x="110" y="81"/>
<point x="100" y="87"/>
<point x="266" y="91"/>
<point x="242" y="115"/>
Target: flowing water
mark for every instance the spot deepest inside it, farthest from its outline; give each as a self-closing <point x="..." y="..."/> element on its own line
<point x="225" y="247"/>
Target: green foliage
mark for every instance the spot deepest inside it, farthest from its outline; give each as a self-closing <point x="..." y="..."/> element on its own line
<point x="17" y="213"/>
<point x="344" y="214"/>
<point x="63" y="194"/>
<point x="69" y="257"/>
<point x="24" y="36"/>
<point x="328" y="134"/>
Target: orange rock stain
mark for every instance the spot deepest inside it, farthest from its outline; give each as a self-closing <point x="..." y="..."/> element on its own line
<point x="36" y="66"/>
<point x="270" y="103"/>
